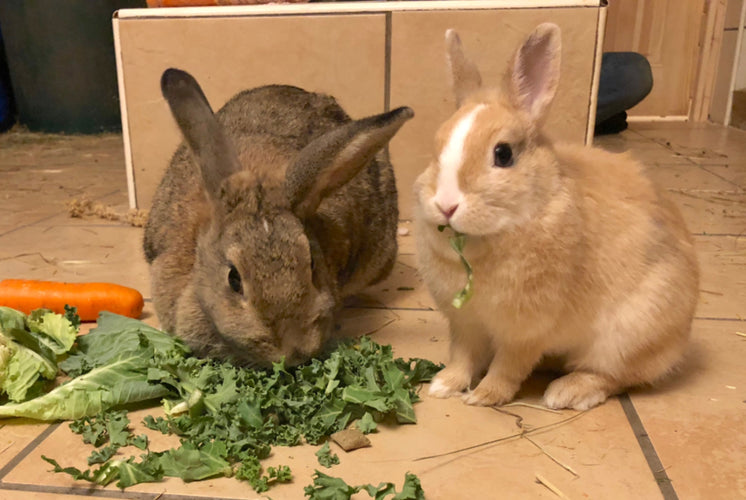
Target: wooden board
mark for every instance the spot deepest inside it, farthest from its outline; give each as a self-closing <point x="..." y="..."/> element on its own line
<point x="370" y="55"/>
<point x="669" y="34"/>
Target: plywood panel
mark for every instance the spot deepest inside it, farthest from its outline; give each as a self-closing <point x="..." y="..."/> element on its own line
<point x="740" y="82"/>
<point x="419" y="78"/>
<point x="733" y="14"/>
<point x="721" y="93"/>
<point x="668" y="33"/>
<point x="367" y="54"/>
<point x="339" y="55"/>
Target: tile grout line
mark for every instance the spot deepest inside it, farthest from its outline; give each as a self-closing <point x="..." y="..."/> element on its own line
<point x="648" y="450"/>
<point x="100" y="492"/>
<point x="27" y="450"/>
<point x="719" y="235"/>
<point x="703" y="167"/>
<point x="725" y="179"/>
<point x="714" y="318"/>
<point x="71" y="490"/>
<point x="700" y="166"/>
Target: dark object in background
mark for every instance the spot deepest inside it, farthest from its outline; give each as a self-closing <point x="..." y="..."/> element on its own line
<point x="62" y="63"/>
<point x="7" y="109"/>
<point x="625" y="80"/>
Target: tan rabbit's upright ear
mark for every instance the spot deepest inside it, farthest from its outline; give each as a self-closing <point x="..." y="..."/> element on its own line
<point x="333" y="159"/>
<point x="534" y="72"/>
<point x="465" y="77"/>
<point x="211" y="148"/>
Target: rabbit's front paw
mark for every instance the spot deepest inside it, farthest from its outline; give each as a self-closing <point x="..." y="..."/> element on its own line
<point x="491" y="393"/>
<point x="448" y="382"/>
<point x="577" y="390"/>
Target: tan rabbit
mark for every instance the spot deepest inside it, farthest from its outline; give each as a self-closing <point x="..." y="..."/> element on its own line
<point x="576" y="253"/>
<point x="272" y="211"/>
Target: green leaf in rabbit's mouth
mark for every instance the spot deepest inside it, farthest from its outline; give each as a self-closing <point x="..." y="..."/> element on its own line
<point x="458" y="242"/>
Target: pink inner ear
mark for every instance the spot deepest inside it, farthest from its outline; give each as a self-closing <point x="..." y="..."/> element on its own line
<point x="533" y="75"/>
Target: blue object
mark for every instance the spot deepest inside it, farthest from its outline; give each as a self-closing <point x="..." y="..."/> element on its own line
<point x="625" y="80"/>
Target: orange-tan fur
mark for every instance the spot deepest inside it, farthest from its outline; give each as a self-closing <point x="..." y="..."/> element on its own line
<point x="576" y="253"/>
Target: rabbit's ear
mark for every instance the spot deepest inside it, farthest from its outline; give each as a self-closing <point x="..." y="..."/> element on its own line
<point x="333" y="159"/>
<point x="465" y="77"/>
<point x="535" y="70"/>
<point x="204" y="135"/>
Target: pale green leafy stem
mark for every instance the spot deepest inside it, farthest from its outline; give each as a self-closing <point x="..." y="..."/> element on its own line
<point x="117" y="383"/>
<point x="458" y="242"/>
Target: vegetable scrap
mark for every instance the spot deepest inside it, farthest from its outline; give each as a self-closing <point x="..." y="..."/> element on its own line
<point x="326" y="457"/>
<point x="227" y="417"/>
<point x="332" y="488"/>
<point x="367" y="424"/>
<point x="458" y="242"/>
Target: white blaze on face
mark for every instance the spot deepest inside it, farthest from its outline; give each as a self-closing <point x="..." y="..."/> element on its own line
<point x="451" y="157"/>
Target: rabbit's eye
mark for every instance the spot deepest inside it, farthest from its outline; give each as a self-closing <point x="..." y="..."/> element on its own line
<point x="503" y="155"/>
<point x="234" y="279"/>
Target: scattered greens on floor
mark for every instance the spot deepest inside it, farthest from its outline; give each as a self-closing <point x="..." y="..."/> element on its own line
<point x="333" y="488"/>
<point x="325" y="456"/>
<point x="458" y="242"/>
<point x="226" y="417"/>
<point x="367" y="423"/>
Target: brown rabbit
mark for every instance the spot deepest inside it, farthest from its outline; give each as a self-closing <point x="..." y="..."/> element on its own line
<point x="576" y="253"/>
<point x="273" y="210"/>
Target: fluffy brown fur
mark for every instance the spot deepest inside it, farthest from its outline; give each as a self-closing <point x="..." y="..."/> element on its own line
<point x="273" y="210"/>
<point x="576" y="253"/>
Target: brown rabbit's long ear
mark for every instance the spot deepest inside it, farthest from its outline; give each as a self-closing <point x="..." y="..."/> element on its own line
<point x="333" y="159"/>
<point x="204" y="135"/>
<point x="465" y="77"/>
<point x="535" y="71"/>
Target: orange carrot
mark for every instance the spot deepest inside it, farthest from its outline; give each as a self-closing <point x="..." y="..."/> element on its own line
<point x="89" y="298"/>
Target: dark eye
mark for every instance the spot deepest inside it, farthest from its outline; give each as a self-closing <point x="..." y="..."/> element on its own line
<point x="503" y="155"/>
<point x="234" y="280"/>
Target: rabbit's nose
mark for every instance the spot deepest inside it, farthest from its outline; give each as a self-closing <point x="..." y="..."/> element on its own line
<point x="301" y="354"/>
<point x="449" y="211"/>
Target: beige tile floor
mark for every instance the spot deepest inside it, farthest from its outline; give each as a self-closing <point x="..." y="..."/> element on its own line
<point x="685" y="439"/>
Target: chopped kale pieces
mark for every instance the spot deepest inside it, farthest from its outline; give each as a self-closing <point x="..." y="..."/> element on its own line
<point x="227" y="417"/>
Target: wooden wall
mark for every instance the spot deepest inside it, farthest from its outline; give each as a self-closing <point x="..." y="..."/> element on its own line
<point x="669" y="33"/>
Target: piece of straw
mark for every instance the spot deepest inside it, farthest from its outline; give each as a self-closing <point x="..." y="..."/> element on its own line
<point x="542" y="480"/>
